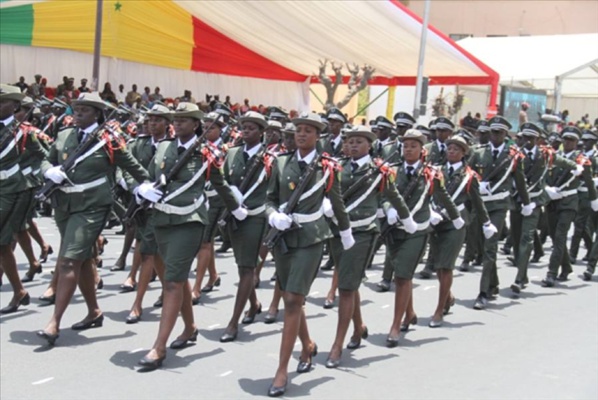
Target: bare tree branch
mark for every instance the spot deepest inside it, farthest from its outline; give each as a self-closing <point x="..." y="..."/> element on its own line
<point x="360" y="82"/>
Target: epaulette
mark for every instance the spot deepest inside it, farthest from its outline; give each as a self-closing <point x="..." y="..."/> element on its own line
<point x="286" y="153"/>
<point x="391" y="143"/>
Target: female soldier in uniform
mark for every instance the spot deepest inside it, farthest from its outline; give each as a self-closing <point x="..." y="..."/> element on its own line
<point x="361" y="197"/>
<point x="297" y="266"/>
<point x="446" y="240"/>
<point x="83" y="206"/>
<point x="179" y="220"/>
<point x="417" y="182"/>
<point x="13" y="187"/>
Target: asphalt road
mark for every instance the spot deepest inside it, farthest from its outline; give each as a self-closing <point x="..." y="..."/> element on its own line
<point x="541" y="345"/>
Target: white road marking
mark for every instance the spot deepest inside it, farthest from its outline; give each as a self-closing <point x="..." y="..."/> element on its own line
<point x="136" y="350"/>
<point x="429" y="287"/>
<point x="385" y="306"/>
<point x="42" y="381"/>
<point x="213" y="326"/>
<point x="313" y="293"/>
<point x="222" y="375"/>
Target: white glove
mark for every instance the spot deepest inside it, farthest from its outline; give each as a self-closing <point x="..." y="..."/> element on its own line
<point x="392" y="216"/>
<point x="578" y="170"/>
<point x="594" y="204"/>
<point x="489" y="230"/>
<point x="458" y="223"/>
<point x="435" y="218"/>
<point x="240" y="213"/>
<point x="553" y="193"/>
<point x="484" y="188"/>
<point x="123" y="184"/>
<point x="56" y="175"/>
<point x="327" y="208"/>
<point x="149" y="192"/>
<point x="528" y="209"/>
<point x="347" y="239"/>
<point x="237" y="193"/>
<point x="409" y="224"/>
<point x="280" y="221"/>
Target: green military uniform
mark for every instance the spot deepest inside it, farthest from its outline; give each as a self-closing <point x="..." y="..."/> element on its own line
<point x="436" y="152"/>
<point x="297" y="268"/>
<point x="503" y="163"/>
<point x="216" y="204"/>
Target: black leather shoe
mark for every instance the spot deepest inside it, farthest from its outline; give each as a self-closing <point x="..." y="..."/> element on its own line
<point x="151" y="364"/>
<point x="587" y="275"/>
<point x="548" y="281"/>
<point x="330" y="363"/>
<point x="536" y="258"/>
<point x="354" y="344"/>
<point x="28" y="277"/>
<point x="392" y="341"/>
<point x="426" y="273"/>
<point x="329" y="265"/>
<point x="512" y="260"/>
<point x="248" y="319"/>
<point x="182" y="343"/>
<point x="412" y="321"/>
<point x="464" y="266"/>
<point x="209" y="288"/>
<point x="273" y="278"/>
<point x="128" y="288"/>
<point x="516" y="287"/>
<point x="506" y="250"/>
<point x="563" y="277"/>
<point x="100" y="284"/>
<point x="223" y="248"/>
<point x="159" y="302"/>
<point x="383" y="285"/>
<point x="328" y="304"/>
<point x="277" y="391"/>
<point x="83" y="325"/>
<point x="271" y="318"/>
<point x="43" y="257"/>
<point x="50" y="299"/>
<point x="480" y="303"/>
<point x="195" y="300"/>
<point x="477" y="262"/>
<point x="50" y="338"/>
<point x="228" y="337"/>
<point x="133" y="319"/>
<point x="305" y="366"/>
<point x="447" y="306"/>
<point x="12" y="308"/>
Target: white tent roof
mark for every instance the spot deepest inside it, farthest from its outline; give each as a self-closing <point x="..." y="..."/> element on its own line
<point x="535" y="61"/>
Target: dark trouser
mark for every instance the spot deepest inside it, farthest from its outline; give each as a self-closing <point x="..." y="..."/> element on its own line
<point x="593" y="258"/>
<point x="583" y="227"/>
<point x="474" y="239"/>
<point x="489" y="272"/>
<point x="559" y="223"/>
<point x="523" y="231"/>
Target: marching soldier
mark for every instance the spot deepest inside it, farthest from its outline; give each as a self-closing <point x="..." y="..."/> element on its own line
<point x="332" y="144"/>
<point x="16" y="193"/>
<point x="498" y="164"/>
<point x="83" y="205"/>
<point x="562" y="187"/>
<point x="384" y="129"/>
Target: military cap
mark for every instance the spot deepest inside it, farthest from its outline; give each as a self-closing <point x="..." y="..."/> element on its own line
<point x="404" y="119"/>
<point x="483" y="126"/>
<point x="414" y="134"/>
<point x="37" y="112"/>
<point x="443" y="123"/>
<point x="27" y="102"/>
<point x="71" y="79"/>
<point x="84" y="80"/>
<point x="499" y="123"/>
<point x="44" y="101"/>
<point x="530" y="129"/>
<point x="58" y="103"/>
<point x="37" y="76"/>
<point x="256" y="118"/>
<point x="273" y="124"/>
<point x="91" y="99"/>
<point x="464" y="133"/>
<point x="571" y="132"/>
<point x="335" y="113"/>
<point x="124" y="109"/>
<point x="459" y="141"/>
<point x="361" y="130"/>
<point x="312" y="119"/>
<point x="188" y="110"/>
<point x="432" y="125"/>
<point x="214" y="117"/>
<point x="9" y="92"/>
<point x="383" y="122"/>
<point x="221" y="108"/>
<point x="423" y="129"/>
<point x="277" y="112"/>
<point x="589" y="135"/>
<point x="159" y="110"/>
<point x="289" y="128"/>
<point x="554" y="137"/>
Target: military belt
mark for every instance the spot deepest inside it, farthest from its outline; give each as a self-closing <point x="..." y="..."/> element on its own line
<point x="170" y="209"/>
<point x="78" y="188"/>
<point x="7" y="173"/>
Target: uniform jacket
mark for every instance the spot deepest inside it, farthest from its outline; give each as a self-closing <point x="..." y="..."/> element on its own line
<point x="27" y="146"/>
<point x="558" y="176"/>
<point x="434" y="155"/>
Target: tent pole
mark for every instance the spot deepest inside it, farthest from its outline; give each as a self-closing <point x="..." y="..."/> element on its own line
<point x="557" y="94"/>
<point x="370" y="103"/>
<point x="420" y="63"/>
<point x="95" y="81"/>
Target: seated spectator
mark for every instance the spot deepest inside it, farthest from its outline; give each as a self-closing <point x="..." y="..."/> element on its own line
<point x="21" y="84"/>
<point x="107" y="94"/>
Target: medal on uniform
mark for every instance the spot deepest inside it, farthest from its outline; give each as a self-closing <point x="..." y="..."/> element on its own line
<point x="292" y="185"/>
<point x="64" y="156"/>
<point x="162" y="165"/>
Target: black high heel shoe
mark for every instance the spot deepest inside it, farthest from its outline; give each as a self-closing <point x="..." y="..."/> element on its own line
<point x="277" y="391"/>
<point x="305" y="366"/>
<point x="209" y="288"/>
<point x="248" y="319"/>
<point x="43" y="257"/>
<point x="50" y="299"/>
<point x="83" y="325"/>
<point x="182" y="343"/>
<point x="412" y="321"/>
<point x="151" y="364"/>
<point x="23" y="302"/>
<point x="28" y="277"/>
<point x="354" y="344"/>
<point x="50" y="338"/>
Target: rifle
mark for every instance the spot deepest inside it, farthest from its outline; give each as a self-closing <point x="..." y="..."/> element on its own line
<point x="351" y="190"/>
<point x="50" y="187"/>
<point x="225" y="217"/>
<point x="498" y="168"/>
<point x="163" y="180"/>
<point x="275" y="236"/>
<point x="11" y="134"/>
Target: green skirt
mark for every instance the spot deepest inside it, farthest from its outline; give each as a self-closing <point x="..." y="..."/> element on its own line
<point x="445" y="247"/>
<point x="178" y="245"/>
<point x="402" y="255"/>
<point x="352" y="263"/>
<point x="297" y="269"/>
<point x="79" y="231"/>
<point x="212" y="226"/>
<point x="145" y="235"/>
<point x="247" y="240"/>
<point x="13" y="214"/>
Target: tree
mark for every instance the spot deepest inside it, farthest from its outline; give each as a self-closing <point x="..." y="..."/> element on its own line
<point x="442" y="108"/>
<point x="358" y="80"/>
